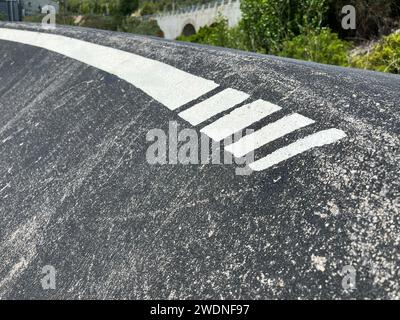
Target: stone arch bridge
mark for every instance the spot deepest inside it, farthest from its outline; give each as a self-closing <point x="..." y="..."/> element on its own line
<point x="189" y="20"/>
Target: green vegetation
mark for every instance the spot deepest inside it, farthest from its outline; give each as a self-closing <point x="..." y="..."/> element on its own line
<point x="149" y="8"/>
<point x="144" y="27"/>
<point x="311" y="30"/>
<point x="92" y="7"/>
<point x="218" y="34"/>
<point x="308" y="29"/>
<point x="384" y="56"/>
<point x="100" y="22"/>
<point x="103" y="7"/>
<point x="126" y="7"/>
<point x="267" y="23"/>
<point x="322" y="46"/>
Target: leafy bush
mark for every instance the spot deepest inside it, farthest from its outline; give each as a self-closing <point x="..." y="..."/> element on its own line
<point x="73" y="5"/>
<point x="100" y="22"/>
<point x="385" y="56"/>
<point x="149" y="8"/>
<point x="139" y="26"/>
<point x="218" y="34"/>
<point x="322" y="46"/>
<point x="267" y="23"/>
<point x="91" y="6"/>
<point x="85" y="7"/>
<point x="127" y="7"/>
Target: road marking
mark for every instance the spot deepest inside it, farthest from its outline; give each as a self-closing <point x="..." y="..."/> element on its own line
<point x="174" y="88"/>
<point x="315" y="140"/>
<point x="212" y="106"/>
<point x="268" y="134"/>
<point x="168" y="85"/>
<point x="239" y="119"/>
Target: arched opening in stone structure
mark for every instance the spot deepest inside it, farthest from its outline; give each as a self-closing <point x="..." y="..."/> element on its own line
<point x="188" y="30"/>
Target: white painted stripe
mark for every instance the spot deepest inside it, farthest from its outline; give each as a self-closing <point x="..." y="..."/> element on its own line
<point x="168" y="85"/>
<point x="239" y="119"/>
<point x="268" y="133"/>
<point x="315" y="140"/>
<point x="210" y="107"/>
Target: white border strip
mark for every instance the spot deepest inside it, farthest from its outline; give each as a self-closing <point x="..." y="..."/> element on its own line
<point x="239" y="119"/>
<point x="268" y="134"/>
<point x="210" y="107"/>
<point x="168" y="85"/>
<point x="315" y="140"/>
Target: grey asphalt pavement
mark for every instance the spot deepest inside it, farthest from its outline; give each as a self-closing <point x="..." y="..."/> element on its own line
<point x="77" y="193"/>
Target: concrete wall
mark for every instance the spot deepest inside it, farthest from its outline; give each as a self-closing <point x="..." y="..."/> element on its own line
<point x="172" y="23"/>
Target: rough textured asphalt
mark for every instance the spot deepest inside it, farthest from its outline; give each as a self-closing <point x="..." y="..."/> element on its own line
<point x="77" y="192"/>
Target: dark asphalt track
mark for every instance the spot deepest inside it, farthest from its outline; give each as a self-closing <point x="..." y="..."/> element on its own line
<point x="77" y="192"/>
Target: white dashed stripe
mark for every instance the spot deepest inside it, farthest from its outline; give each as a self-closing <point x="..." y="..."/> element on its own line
<point x="315" y="140"/>
<point x="268" y="133"/>
<point x="212" y="106"/>
<point x="239" y="119"/>
<point x="168" y="85"/>
<point x="174" y="88"/>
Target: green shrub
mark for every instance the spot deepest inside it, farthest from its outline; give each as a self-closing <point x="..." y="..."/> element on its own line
<point x="267" y="23"/>
<point x="322" y="46"/>
<point x="385" y="56"/>
<point x="73" y="5"/>
<point x="100" y="22"/>
<point x="85" y="7"/>
<point x="218" y="34"/>
<point x="127" y="7"/>
<point x="139" y="26"/>
<point x="148" y="8"/>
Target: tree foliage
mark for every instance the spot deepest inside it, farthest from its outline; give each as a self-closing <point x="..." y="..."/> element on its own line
<point x="149" y="8"/>
<point x="138" y="26"/>
<point x="267" y="23"/>
<point x="218" y="34"/>
<point x="307" y="29"/>
<point x="322" y="46"/>
<point x="127" y="7"/>
<point x="384" y="56"/>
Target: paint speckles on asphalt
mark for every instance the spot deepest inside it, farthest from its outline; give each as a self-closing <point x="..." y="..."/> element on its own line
<point x="78" y="193"/>
<point x="318" y="262"/>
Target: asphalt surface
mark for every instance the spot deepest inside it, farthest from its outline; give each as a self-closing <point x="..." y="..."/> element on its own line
<point x="77" y="193"/>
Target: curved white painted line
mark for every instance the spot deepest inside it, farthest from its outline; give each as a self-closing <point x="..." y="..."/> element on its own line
<point x="168" y="85"/>
<point x="174" y="88"/>
<point x="239" y="119"/>
<point x="268" y="134"/>
<point x="212" y="106"/>
<point x="315" y="140"/>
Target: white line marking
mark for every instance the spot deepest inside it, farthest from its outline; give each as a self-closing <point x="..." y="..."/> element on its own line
<point x="218" y="103"/>
<point x="239" y="119"/>
<point x="174" y="88"/>
<point x="168" y="85"/>
<point x="315" y="140"/>
<point x="268" y="133"/>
